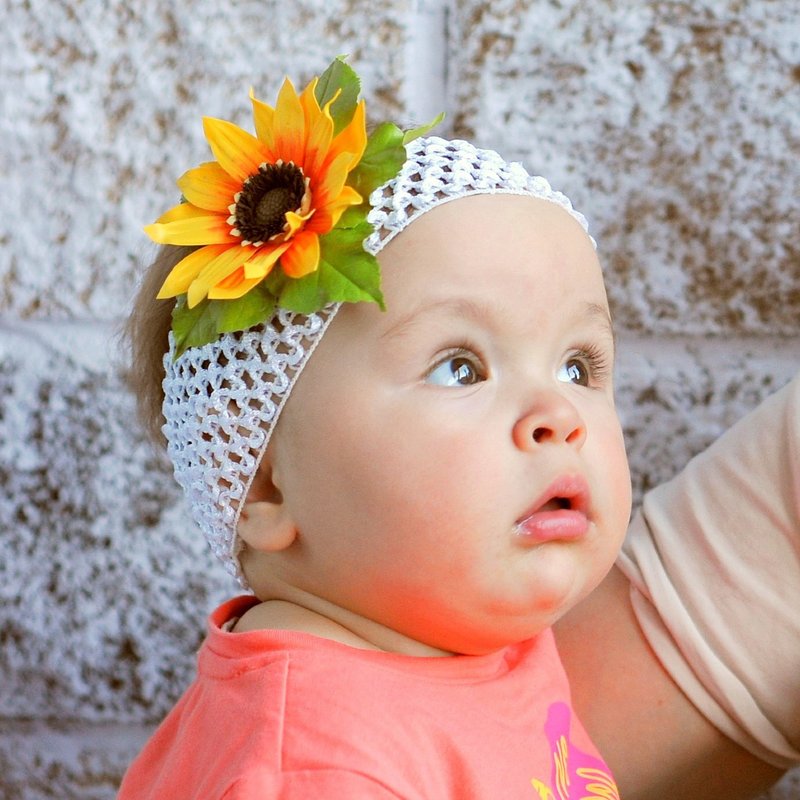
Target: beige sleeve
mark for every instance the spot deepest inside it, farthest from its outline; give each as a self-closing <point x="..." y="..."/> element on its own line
<point x="714" y="562"/>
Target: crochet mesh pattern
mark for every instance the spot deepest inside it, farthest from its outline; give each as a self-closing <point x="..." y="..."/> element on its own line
<point x="223" y="400"/>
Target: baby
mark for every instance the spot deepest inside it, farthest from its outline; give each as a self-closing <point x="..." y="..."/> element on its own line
<point x="417" y="503"/>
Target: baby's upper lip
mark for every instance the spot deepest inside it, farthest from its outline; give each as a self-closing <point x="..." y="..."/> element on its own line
<point x="569" y="491"/>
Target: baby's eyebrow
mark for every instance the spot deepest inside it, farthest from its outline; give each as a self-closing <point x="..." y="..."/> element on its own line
<point x="460" y="307"/>
<point x="594" y="311"/>
<point x="485" y="315"/>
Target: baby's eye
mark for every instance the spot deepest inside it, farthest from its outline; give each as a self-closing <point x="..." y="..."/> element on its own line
<point x="574" y="370"/>
<point x="589" y="366"/>
<point x="456" y="370"/>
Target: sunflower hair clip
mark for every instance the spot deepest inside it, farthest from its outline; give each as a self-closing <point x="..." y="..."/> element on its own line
<point x="279" y="219"/>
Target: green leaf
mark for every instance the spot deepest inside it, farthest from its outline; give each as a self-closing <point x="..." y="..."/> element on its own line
<point x="382" y="159"/>
<point x="256" y="306"/>
<point x="193" y="327"/>
<point x="346" y="273"/>
<point x="353" y="281"/>
<point x="303" y="294"/>
<point x="354" y="216"/>
<point x="415" y="133"/>
<point x="339" y="75"/>
<point x="346" y="241"/>
<point x="275" y="281"/>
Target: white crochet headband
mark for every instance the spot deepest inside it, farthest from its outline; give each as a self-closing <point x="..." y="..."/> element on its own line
<point x="222" y="400"/>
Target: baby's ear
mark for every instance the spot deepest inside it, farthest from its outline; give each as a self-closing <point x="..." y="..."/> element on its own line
<point x="264" y="523"/>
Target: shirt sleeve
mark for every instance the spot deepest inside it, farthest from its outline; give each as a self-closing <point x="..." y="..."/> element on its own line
<point x="714" y="563"/>
<point x="332" y="784"/>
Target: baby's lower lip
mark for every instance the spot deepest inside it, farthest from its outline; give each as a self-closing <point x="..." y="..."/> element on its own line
<point x="563" y="524"/>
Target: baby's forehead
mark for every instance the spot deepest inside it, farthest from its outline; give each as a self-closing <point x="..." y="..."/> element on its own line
<point x="495" y="225"/>
<point x="499" y="205"/>
<point x="437" y="172"/>
<point x="489" y="251"/>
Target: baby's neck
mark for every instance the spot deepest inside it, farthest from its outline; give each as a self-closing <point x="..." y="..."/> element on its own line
<point x="322" y="619"/>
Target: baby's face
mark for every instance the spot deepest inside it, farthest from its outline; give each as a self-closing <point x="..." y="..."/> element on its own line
<point x="454" y="465"/>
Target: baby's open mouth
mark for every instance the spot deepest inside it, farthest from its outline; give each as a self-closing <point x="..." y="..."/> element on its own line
<point x="556" y="504"/>
<point x="561" y="513"/>
<point x="567" y="494"/>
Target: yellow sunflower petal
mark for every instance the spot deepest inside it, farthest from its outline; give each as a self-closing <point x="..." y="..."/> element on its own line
<point x="216" y="271"/>
<point x="209" y="186"/>
<point x="289" y="125"/>
<point x="233" y="287"/>
<point x="181" y="211"/>
<point x="349" y="197"/>
<point x="353" y="138"/>
<point x="187" y="269"/>
<point x="239" y="153"/>
<point x="332" y="182"/>
<point x="334" y="211"/>
<point x="309" y="103"/>
<point x="327" y="217"/>
<point x="264" y="119"/>
<point x="303" y="256"/>
<point x="194" y="226"/>
<point x="260" y="265"/>
<point x="319" y="133"/>
<point x="296" y="222"/>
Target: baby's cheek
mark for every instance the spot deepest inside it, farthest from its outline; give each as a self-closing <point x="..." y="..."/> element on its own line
<point x="620" y="490"/>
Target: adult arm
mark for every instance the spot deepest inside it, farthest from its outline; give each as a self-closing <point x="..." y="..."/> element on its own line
<point x="688" y="677"/>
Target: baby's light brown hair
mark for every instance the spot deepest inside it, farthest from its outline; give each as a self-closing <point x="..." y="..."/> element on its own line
<point x="146" y="336"/>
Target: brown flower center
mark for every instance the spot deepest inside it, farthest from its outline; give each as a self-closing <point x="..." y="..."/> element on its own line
<point x="261" y="206"/>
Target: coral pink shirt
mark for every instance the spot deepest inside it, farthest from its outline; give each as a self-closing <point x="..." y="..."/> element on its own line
<point x="284" y="714"/>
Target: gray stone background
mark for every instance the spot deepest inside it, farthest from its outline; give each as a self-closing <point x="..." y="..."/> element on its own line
<point x="675" y="126"/>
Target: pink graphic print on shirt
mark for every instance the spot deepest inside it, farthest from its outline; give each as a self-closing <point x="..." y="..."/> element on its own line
<point x="575" y="775"/>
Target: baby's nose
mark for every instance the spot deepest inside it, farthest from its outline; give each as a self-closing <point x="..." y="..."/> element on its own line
<point x="550" y="419"/>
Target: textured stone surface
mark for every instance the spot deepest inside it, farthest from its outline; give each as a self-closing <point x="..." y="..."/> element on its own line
<point x="672" y="125"/>
<point x="787" y="789"/>
<point x="676" y="397"/>
<point x="106" y="112"/>
<point x="65" y="762"/>
<point x="101" y="586"/>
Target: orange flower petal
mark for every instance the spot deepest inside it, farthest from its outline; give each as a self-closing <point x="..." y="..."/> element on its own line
<point x="198" y="227"/>
<point x="326" y="218"/>
<point x="332" y="184"/>
<point x="353" y="138"/>
<point x="303" y="256"/>
<point x="234" y="279"/>
<point x="209" y="186"/>
<point x="319" y="134"/>
<point x="296" y="222"/>
<point x="187" y="269"/>
<point x="260" y="265"/>
<point x="216" y="271"/>
<point x="289" y="130"/>
<point x="264" y="119"/>
<point x="239" y="153"/>
<point x="309" y="103"/>
<point x="233" y="287"/>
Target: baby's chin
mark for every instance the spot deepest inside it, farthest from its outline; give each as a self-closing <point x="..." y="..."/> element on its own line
<point x="503" y="630"/>
<point x="489" y="641"/>
<point x="501" y="622"/>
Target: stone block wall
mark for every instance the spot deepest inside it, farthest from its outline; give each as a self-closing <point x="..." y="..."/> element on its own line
<point x="675" y="126"/>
